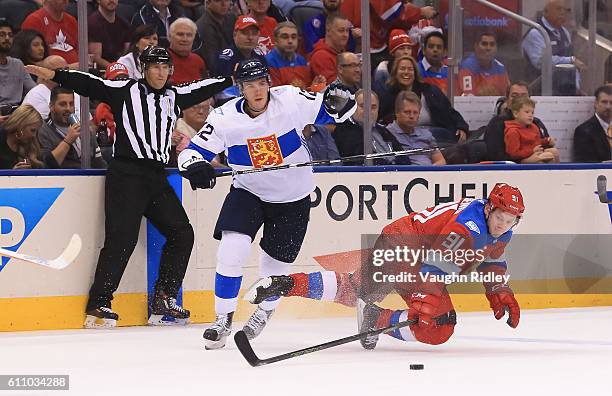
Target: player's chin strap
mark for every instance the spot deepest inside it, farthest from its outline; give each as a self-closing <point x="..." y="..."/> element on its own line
<point x="353" y="158"/>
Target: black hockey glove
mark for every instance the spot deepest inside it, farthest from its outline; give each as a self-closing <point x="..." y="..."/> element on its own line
<point x="200" y="174"/>
<point x="339" y="102"/>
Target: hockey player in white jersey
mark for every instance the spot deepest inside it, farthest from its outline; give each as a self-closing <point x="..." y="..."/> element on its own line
<point x="261" y="128"/>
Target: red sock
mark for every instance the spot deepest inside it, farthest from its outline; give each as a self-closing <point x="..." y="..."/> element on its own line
<point x="300" y="285"/>
<point x="384" y="319"/>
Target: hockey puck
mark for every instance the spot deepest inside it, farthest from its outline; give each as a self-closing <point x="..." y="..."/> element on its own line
<point x="417" y="366"/>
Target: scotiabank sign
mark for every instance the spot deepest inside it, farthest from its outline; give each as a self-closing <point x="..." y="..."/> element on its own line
<point x="477" y="17"/>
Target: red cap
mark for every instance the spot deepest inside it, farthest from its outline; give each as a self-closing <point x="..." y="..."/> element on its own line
<point x="116" y="69"/>
<point x="244" y="21"/>
<point x="398" y="38"/>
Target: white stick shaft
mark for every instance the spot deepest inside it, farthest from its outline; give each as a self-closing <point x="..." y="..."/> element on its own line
<point x="61" y="262"/>
<point x="331" y="162"/>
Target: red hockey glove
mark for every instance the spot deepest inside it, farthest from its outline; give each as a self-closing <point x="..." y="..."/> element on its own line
<point x="501" y="300"/>
<point x="423" y="307"/>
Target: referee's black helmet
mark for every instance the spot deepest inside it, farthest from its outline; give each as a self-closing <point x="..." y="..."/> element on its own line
<point x="153" y="54"/>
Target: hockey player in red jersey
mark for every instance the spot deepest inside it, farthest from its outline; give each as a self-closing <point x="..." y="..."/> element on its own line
<point x="483" y="227"/>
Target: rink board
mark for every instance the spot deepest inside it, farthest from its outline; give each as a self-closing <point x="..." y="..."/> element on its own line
<point x="40" y="211"/>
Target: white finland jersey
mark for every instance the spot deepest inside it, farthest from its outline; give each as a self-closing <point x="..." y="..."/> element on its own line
<point x="272" y="138"/>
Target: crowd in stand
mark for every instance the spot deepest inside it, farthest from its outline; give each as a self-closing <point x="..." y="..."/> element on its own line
<point x="309" y="47"/>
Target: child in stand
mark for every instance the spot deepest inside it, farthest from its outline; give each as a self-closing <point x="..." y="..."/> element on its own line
<point x="523" y="138"/>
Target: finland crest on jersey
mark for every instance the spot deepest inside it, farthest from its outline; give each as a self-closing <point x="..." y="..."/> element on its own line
<point x="272" y="138"/>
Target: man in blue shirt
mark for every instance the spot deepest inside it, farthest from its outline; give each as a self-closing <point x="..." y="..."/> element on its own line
<point x="554" y="17"/>
<point x="405" y="130"/>
<point x="314" y="28"/>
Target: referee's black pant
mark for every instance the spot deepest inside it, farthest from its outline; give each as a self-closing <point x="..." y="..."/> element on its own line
<point x="133" y="189"/>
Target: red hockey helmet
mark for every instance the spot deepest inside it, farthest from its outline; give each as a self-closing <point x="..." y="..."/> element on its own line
<point x="507" y="198"/>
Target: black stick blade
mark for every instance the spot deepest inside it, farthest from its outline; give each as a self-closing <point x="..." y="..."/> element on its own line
<point x="244" y="346"/>
<point x="601" y="189"/>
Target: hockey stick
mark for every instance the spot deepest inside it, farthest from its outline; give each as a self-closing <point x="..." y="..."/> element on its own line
<point x="352" y="158"/>
<point x="245" y="348"/>
<point x="61" y="262"/>
<point x="602" y="189"/>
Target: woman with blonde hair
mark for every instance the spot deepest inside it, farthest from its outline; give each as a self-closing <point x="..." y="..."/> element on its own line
<point x="437" y="114"/>
<point x="19" y="146"/>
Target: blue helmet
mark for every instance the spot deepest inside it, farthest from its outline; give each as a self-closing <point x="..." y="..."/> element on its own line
<point x="251" y="69"/>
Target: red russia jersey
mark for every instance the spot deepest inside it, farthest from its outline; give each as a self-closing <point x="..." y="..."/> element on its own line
<point x="474" y="80"/>
<point x="456" y="226"/>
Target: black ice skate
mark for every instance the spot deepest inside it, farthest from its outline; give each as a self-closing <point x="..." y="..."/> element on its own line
<point x="216" y="335"/>
<point x="271" y="286"/>
<point x="166" y="312"/>
<point x="101" y="318"/>
<point x="256" y="323"/>
<point x="367" y="316"/>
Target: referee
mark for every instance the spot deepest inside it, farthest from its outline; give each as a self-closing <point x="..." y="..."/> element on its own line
<point x="145" y="112"/>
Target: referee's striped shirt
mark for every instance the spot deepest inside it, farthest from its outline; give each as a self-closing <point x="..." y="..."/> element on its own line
<point x="144" y="116"/>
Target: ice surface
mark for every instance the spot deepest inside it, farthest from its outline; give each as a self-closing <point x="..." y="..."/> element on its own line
<point x="552" y="352"/>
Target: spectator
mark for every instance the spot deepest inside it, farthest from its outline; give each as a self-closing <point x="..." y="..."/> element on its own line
<point x="480" y="73"/>
<point x="188" y="125"/>
<point x="109" y="34"/>
<point x="593" y="138"/>
<point x="349" y="135"/>
<point x="143" y="36"/>
<point x="258" y="10"/>
<point x="187" y="65"/>
<point x="323" y="56"/>
<point x="432" y="66"/>
<point x="436" y="114"/>
<point x="554" y="17"/>
<point x="406" y="130"/>
<point x="418" y="33"/>
<point x="192" y="9"/>
<point x="522" y="136"/>
<point x="400" y="45"/>
<point x="287" y="67"/>
<point x="104" y="114"/>
<point x="19" y="147"/>
<point x="314" y="29"/>
<point x="384" y="16"/>
<point x="15" y="81"/>
<point x="514" y="91"/>
<point x="240" y="7"/>
<point x="40" y="96"/>
<point x="320" y="142"/>
<point x="216" y="26"/>
<point x="159" y="13"/>
<point x="246" y="36"/>
<point x="349" y="70"/>
<point x="29" y="46"/>
<point x="61" y="137"/>
<point x="59" y="29"/>
<point x="494" y="132"/>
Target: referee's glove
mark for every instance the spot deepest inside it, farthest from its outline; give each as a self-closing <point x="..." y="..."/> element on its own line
<point x="200" y="174"/>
